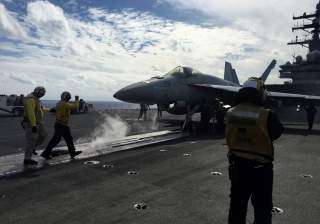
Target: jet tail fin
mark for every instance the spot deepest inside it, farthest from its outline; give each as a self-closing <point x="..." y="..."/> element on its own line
<point x="266" y="73"/>
<point x="230" y="74"/>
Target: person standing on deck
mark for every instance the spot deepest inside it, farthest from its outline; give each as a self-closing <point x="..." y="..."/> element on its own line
<point x="159" y="114"/>
<point x="250" y="132"/>
<point x="311" y="112"/>
<point x="33" y="123"/>
<point x="143" y="111"/>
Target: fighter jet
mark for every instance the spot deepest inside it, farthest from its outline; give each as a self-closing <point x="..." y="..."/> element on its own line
<point x="179" y="87"/>
<point x="185" y="90"/>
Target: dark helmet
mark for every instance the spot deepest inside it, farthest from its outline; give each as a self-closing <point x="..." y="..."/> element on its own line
<point x="252" y="91"/>
<point x="65" y="96"/>
<point x="257" y="84"/>
<point x="39" y="91"/>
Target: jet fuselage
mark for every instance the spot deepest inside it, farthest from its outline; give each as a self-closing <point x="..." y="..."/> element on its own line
<point x="174" y="87"/>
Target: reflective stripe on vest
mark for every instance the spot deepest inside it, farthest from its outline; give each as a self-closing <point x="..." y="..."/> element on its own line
<point x="247" y="133"/>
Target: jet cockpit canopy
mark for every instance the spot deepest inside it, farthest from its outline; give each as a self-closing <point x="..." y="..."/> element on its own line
<point x="183" y="72"/>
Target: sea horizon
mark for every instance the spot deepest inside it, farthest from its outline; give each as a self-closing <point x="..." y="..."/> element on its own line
<point x="98" y="104"/>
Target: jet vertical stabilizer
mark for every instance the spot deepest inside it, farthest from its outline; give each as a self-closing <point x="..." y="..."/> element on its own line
<point x="230" y="74"/>
<point x="266" y="73"/>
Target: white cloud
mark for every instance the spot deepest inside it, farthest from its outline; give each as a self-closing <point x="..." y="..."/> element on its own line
<point x="51" y="25"/>
<point x="9" y="27"/>
<point x="94" y="57"/>
<point x="269" y="21"/>
<point x="22" y="78"/>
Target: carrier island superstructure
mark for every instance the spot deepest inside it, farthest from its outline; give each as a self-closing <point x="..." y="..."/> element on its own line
<point x="303" y="72"/>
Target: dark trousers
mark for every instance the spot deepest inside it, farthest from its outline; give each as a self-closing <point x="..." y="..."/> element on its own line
<point x="60" y="131"/>
<point x="310" y="122"/>
<point x="249" y="179"/>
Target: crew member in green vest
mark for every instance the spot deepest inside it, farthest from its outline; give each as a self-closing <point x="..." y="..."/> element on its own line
<point x="250" y="132"/>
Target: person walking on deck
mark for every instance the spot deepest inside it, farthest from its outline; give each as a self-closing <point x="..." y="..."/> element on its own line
<point x="61" y="127"/>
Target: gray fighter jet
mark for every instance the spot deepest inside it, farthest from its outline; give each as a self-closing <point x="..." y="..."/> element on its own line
<point x="185" y="90"/>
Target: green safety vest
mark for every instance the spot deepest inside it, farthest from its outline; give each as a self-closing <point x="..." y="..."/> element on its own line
<point x="247" y="133"/>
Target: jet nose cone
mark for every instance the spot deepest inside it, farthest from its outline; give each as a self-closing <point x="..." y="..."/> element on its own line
<point x="119" y="95"/>
<point x="136" y="93"/>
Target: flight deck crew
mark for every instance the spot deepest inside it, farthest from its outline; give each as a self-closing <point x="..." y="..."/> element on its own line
<point x="159" y="114"/>
<point x="61" y="127"/>
<point x="33" y="123"/>
<point x="220" y="115"/>
<point x="311" y="112"/>
<point x="250" y="132"/>
<point x="143" y="111"/>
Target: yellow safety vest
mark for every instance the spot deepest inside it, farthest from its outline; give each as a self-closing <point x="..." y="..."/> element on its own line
<point x="63" y="110"/>
<point x="247" y="133"/>
<point x="33" y="111"/>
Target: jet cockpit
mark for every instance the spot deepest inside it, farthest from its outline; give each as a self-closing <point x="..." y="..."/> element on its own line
<point x="182" y="72"/>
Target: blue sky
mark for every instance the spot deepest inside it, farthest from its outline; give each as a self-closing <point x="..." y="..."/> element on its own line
<point x="94" y="47"/>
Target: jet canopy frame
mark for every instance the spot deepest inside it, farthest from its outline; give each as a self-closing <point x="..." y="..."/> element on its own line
<point x="183" y="72"/>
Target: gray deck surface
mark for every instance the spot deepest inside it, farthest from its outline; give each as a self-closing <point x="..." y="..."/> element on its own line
<point x="177" y="188"/>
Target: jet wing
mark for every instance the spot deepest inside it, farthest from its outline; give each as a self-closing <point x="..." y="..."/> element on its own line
<point x="224" y="93"/>
<point x="294" y="99"/>
<point x="227" y="94"/>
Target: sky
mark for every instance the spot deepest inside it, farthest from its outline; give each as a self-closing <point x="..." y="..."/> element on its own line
<point x="92" y="48"/>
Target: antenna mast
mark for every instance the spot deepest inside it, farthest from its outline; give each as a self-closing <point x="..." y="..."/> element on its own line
<point x="312" y="28"/>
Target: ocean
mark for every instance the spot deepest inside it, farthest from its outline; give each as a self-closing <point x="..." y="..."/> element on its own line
<point x="99" y="105"/>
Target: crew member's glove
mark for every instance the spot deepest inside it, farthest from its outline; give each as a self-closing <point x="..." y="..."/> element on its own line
<point x="34" y="129"/>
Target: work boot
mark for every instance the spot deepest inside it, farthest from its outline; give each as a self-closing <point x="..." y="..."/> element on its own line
<point x="75" y="153"/>
<point x="45" y="156"/>
<point x="29" y="162"/>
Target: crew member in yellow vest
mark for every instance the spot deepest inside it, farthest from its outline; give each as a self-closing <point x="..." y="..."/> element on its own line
<point x="33" y="123"/>
<point x="250" y="132"/>
<point x="61" y="127"/>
